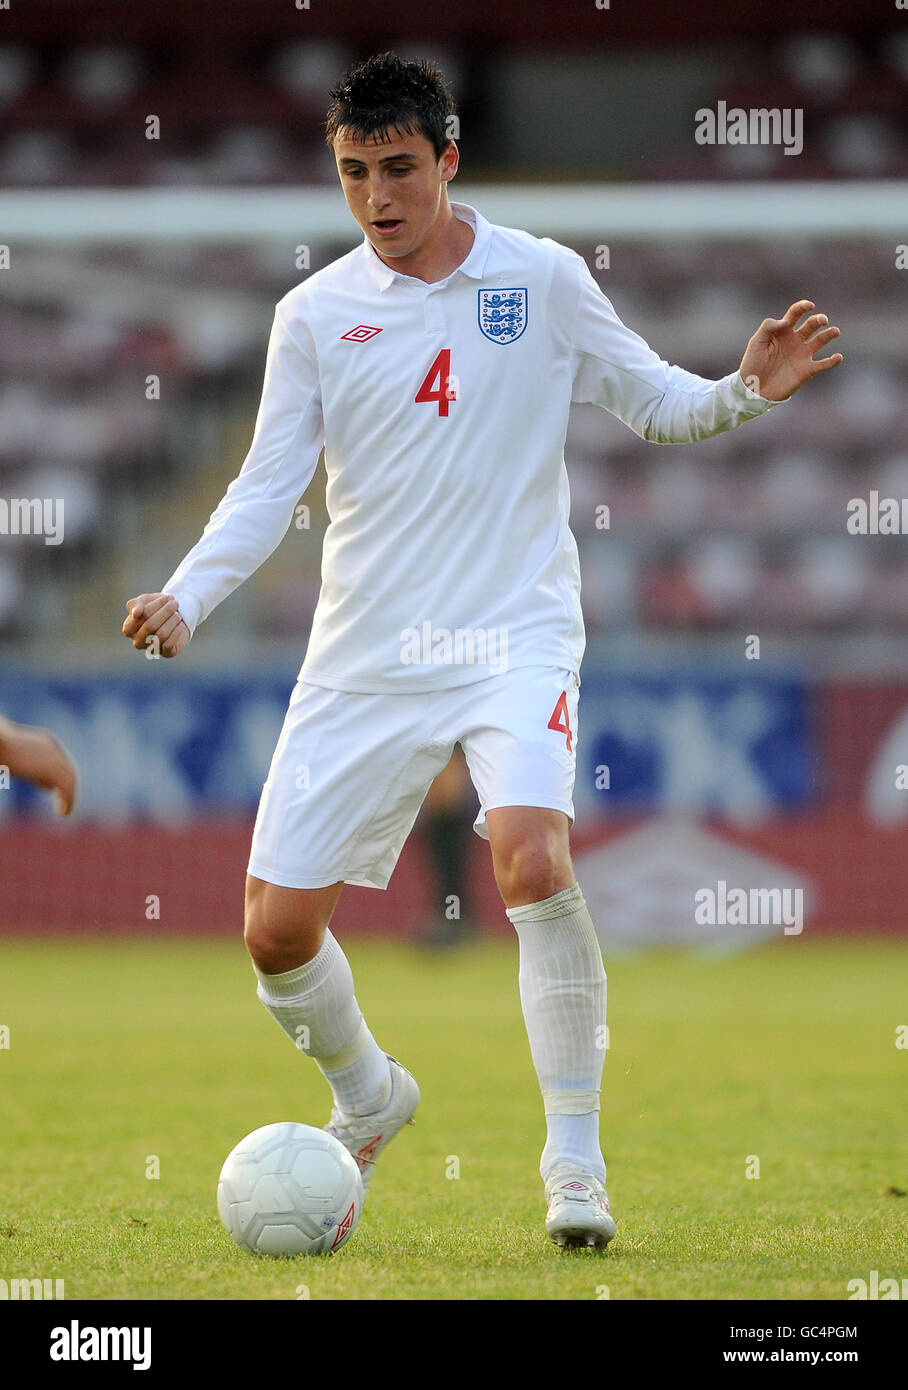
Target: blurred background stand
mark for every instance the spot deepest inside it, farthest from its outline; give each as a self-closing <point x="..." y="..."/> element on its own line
<point x="134" y="316"/>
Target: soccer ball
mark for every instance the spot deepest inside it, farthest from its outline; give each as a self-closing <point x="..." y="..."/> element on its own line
<point x="289" y="1189"/>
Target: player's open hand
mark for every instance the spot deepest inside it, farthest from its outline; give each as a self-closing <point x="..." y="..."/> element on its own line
<point x="38" y="755"/>
<point x="154" y="624"/>
<point x="780" y="356"/>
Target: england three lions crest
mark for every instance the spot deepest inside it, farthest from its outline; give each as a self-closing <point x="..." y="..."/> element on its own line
<point x="503" y="314"/>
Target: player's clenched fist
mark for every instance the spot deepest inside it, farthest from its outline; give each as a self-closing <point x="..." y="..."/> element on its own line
<point x="38" y="756"/>
<point x="154" y="623"/>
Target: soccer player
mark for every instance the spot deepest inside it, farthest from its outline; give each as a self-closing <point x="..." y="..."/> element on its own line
<point x="437" y="363"/>
<point x="38" y="755"/>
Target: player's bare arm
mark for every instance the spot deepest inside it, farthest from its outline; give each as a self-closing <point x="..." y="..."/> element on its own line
<point x="781" y="355"/>
<point x="156" y="615"/>
<point x="38" y="755"/>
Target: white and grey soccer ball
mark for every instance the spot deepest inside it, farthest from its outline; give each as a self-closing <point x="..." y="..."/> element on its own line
<point x="289" y="1189"/>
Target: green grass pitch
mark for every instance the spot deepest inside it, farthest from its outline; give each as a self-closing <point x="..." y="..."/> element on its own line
<point x="123" y="1050"/>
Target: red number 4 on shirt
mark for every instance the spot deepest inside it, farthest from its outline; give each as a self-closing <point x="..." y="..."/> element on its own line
<point x="440" y="373"/>
<point x="561" y="720"/>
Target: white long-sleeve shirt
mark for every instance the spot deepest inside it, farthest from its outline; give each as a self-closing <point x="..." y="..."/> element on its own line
<point x="443" y="410"/>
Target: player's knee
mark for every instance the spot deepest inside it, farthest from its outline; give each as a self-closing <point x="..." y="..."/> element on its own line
<point x="259" y="941"/>
<point x="275" y="952"/>
<point x="277" y="945"/>
<point x="532" y="870"/>
<point x="256" y="936"/>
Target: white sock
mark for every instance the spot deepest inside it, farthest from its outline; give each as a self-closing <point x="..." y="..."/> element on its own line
<point x="563" y="993"/>
<point x="317" y="1009"/>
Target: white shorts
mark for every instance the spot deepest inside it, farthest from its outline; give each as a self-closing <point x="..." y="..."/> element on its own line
<point x="351" y="771"/>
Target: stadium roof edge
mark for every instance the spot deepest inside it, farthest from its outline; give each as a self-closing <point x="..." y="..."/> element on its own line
<point x="586" y="211"/>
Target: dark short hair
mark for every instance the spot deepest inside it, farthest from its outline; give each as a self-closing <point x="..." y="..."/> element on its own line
<point x="387" y="93"/>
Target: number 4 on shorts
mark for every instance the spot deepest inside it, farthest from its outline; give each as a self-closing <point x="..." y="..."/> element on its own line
<point x="561" y="720"/>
